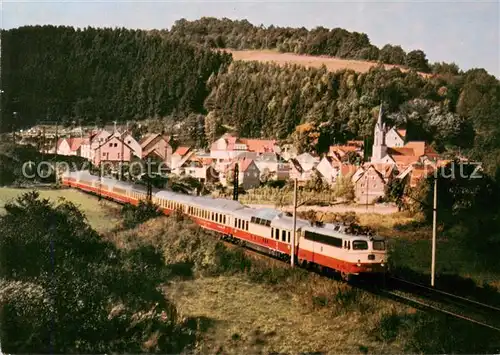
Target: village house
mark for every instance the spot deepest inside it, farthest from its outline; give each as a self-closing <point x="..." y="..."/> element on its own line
<point x="156" y="146"/>
<point x="127" y="138"/>
<point x="248" y="174"/>
<point x="369" y="185"/>
<point x="370" y="181"/>
<point x="339" y="151"/>
<point x="85" y="149"/>
<point x="199" y="170"/>
<point x="329" y="168"/>
<point x="114" y="150"/>
<point x="302" y="171"/>
<point x="63" y="147"/>
<point x="229" y="147"/>
<point x="69" y="146"/>
<point x="271" y="164"/>
<point x="180" y="156"/>
<point x="288" y="151"/>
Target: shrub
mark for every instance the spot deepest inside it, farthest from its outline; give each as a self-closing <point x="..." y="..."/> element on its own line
<point x="135" y="215"/>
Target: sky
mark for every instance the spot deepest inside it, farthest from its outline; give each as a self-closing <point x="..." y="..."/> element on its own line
<point x="464" y="32"/>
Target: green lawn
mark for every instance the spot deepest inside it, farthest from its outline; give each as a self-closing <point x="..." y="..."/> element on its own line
<point x="103" y="216"/>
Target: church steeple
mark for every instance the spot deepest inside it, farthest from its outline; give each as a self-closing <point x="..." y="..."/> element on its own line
<point x="379" y="150"/>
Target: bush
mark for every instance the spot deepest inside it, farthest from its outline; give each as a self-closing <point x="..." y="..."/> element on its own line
<point x="73" y="292"/>
<point x="135" y="215"/>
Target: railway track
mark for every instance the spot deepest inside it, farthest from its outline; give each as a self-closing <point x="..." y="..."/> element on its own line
<point x="427" y="298"/>
<point x="416" y="295"/>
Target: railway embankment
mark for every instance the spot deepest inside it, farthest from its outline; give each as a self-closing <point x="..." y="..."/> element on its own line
<point x="247" y="302"/>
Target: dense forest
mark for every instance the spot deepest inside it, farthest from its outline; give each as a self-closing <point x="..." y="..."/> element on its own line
<point x="101" y="75"/>
<point x="60" y="73"/>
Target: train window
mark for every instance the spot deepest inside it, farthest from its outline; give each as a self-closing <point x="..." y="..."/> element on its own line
<point x="359" y="245"/>
<point x="268" y="223"/>
<point x="224" y="219"/>
<point x="277" y="234"/>
<point x="288" y="237"/>
<point x="239" y="223"/>
<point x="379" y="245"/>
<point x="235" y="222"/>
<point x="246" y="225"/>
<point x="272" y="232"/>
<point x="283" y="236"/>
<point x="325" y="239"/>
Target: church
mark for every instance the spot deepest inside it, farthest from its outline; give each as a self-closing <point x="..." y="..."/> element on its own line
<point x="390" y="146"/>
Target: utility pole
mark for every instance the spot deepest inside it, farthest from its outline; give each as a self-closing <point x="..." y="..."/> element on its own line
<point x="121" y="156"/>
<point x="43" y="142"/>
<point x="236" y="182"/>
<point x="292" y="256"/>
<point x="434" y="229"/>
<point x="14" y="128"/>
<point x="367" y="180"/>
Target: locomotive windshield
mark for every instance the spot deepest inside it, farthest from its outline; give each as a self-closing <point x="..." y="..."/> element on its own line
<point x="378" y="245"/>
<point x="359" y="245"/>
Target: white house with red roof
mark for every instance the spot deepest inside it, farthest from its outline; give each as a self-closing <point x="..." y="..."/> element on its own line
<point x="69" y="146"/>
<point x="229" y="147"/>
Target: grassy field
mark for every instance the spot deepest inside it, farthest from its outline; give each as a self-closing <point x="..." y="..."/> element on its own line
<point x="251" y="304"/>
<point x="103" y="216"/>
<point x="331" y="63"/>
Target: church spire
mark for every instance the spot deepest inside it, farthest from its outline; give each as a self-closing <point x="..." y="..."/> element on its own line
<point x="380" y="114"/>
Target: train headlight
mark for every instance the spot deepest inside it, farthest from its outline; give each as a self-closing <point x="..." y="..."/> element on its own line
<point x="359" y="263"/>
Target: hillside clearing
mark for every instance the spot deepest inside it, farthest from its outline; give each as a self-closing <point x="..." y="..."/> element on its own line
<point x="102" y="215"/>
<point x="331" y="63"/>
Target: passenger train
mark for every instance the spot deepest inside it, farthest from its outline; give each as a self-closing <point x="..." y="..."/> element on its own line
<point x="326" y="246"/>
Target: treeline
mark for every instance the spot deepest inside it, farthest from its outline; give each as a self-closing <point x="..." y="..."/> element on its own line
<point x="459" y="111"/>
<point x="68" y="74"/>
<point x="103" y="75"/>
<point x="337" y="42"/>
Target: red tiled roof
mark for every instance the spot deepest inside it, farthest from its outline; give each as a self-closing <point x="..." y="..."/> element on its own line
<point x="406" y="151"/>
<point x="182" y="151"/>
<point x="384" y="169"/>
<point x="75" y="143"/>
<point x="401" y="132"/>
<point x="343" y="149"/>
<point x="259" y="145"/>
<point x="358" y="144"/>
<point x="405" y="160"/>
<point x="147" y="139"/>
<point x="346" y="169"/>
<point x="243" y="164"/>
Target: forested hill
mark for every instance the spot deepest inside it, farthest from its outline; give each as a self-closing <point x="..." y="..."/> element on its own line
<point x="337" y="42"/>
<point x="100" y="74"/>
<point x="93" y="75"/>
